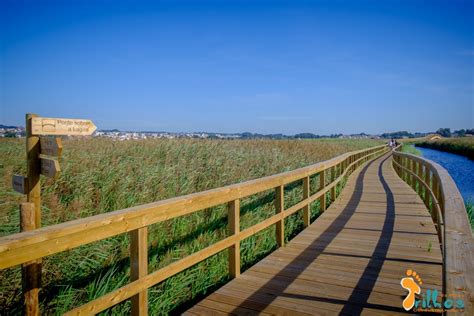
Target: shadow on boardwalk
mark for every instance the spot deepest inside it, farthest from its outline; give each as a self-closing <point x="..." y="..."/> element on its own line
<point x="359" y="297"/>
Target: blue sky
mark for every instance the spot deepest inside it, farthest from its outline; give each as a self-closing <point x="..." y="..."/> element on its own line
<point x="269" y="67"/>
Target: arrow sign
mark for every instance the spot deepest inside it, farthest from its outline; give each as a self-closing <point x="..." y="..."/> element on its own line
<point x="50" y="167"/>
<point x="60" y="126"/>
<point x="20" y="184"/>
<point x="51" y="146"/>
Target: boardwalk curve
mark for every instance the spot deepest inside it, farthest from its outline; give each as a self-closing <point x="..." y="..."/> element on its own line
<point x="349" y="261"/>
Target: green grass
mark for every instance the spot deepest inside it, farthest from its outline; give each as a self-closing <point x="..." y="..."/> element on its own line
<point x="410" y="149"/>
<point x="470" y="213"/>
<point x="101" y="175"/>
<point x="457" y="145"/>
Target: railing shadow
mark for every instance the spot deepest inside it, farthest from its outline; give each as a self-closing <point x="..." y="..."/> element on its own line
<point x="358" y="297"/>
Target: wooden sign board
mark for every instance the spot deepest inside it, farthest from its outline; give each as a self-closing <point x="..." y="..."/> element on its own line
<point x="60" y="126"/>
<point x="50" y="167"/>
<point x="51" y="146"/>
<point x="20" y="184"/>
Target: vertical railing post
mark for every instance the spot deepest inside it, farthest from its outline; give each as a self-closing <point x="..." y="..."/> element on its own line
<point x="420" y="175"/>
<point x="306" y="208"/>
<point x="139" y="268"/>
<point x="413" y="171"/>
<point x="428" y="183"/>
<point x="31" y="271"/>
<point x="279" y="207"/>
<point x="322" y="185"/>
<point x="438" y="194"/>
<point x="333" y="189"/>
<point x="234" y="228"/>
<point x="403" y="162"/>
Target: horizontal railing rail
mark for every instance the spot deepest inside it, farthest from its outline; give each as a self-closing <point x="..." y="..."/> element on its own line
<point x="442" y="197"/>
<point x="33" y="245"/>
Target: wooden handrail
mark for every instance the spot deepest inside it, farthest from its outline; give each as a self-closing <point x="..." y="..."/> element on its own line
<point x="27" y="246"/>
<point x="442" y="197"/>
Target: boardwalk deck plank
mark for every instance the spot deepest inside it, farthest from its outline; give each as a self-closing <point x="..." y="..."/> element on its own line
<point x="349" y="261"/>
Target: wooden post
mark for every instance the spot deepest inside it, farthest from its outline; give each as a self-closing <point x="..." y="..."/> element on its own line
<point x="306" y="209"/>
<point x="420" y="174"/>
<point x="322" y="185"/>
<point x="333" y="189"/>
<point x="279" y="207"/>
<point x="139" y="268"/>
<point x="30" y="271"/>
<point x="428" y="183"/>
<point x="233" y="213"/>
<point x="437" y="193"/>
<point x="33" y="169"/>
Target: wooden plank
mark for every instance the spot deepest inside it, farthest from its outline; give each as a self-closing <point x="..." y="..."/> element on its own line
<point x="50" y="167"/>
<point x="20" y="184"/>
<point x="234" y="228"/>
<point x="322" y="185"/>
<point x="139" y="268"/>
<point x="51" y="146"/>
<point x="306" y="210"/>
<point x="279" y="207"/>
<point x="61" y="126"/>
<point x="333" y="189"/>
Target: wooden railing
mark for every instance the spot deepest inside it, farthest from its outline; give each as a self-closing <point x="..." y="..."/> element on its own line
<point x="441" y="196"/>
<point x="28" y="246"/>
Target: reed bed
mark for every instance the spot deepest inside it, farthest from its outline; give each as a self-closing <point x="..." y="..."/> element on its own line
<point x="101" y="175"/>
<point x="457" y="145"/>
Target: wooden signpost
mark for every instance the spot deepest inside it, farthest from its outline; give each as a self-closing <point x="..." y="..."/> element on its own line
<point x="51" y="146"/>
<point x="60" y="126"/>
<point x="42" y="158"/>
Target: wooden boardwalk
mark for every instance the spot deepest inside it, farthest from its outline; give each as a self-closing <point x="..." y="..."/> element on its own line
<point x="349" y="261"/>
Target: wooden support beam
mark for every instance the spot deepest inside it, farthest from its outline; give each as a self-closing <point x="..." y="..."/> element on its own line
<point x="420" y="175"/>
<point x="30" y="271"/>
<point x="234" y="228"/>
<point x="306" y="209"/>
<point x="33" y="169"/>
<point x="139" y="268"/>
<point x="279" y="207"/>
<point x="322" y="185"/>
<point x="428" y="183"/>
<point x="333" y="189"/>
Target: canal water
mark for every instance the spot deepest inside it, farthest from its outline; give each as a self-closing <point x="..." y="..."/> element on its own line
<point x="460" y="168"/>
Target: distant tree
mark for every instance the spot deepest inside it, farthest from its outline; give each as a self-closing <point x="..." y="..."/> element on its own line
<point x="445" y="132"/>
<point x="306" y="135"/>
<point x="399" y="134"/>
<point x="460" y="133"/>
<point x="10" y="134"/>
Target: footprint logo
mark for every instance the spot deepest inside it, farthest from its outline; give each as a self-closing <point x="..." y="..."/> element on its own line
<point x="413" y="288"/>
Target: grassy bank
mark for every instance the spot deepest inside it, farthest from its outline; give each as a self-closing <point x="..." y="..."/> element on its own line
<point x="470" y="213"/>
<point x="101" y="175"/>
<point x="460" y="145"/>
<point x="410" y="149"/>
